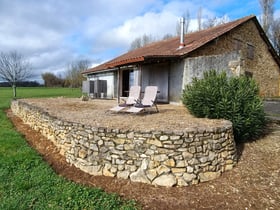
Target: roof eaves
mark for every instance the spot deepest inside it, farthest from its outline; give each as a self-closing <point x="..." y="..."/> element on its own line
<point x="101" y="70"/>
<point x="125" y="61"/>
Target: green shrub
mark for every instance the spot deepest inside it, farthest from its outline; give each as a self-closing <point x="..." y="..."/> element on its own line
<point x="235" y="98"/>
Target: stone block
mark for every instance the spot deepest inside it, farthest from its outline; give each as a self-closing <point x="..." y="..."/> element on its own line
<point x="161" y="157"/>
<point x="154" y="142"/>
<point x="120" y="161"/>
<point x="128" y="147"/>
<point x="181" y="182"/>
<point x="130" y="135"/>
<point x="167" y="180"/>
<point x="82" y="153"/>
<point x="189" y="177"/>
<point x="203" y="159"/>
<point x="180" y="163"/>
<point x="192" y="150"/>
<point x="170" y="162"/>
<point x="131" y="168"/>
<point x="121" y="136"/>
<point x="150" y="152"/>
<point x="154" y="164"/>
<point x="178" y="142"/>
<point x="164" y="138"/>
<point x="93" y="147"/>
<point x="139" y="176"/>
<point x="151" y="174"/>
<point x="162" y="169"/>
<point x="120" y="167"/>
<point x="171" y="146"/>
<point x="178" y="170"/>
<point x="113" y="169"/>
<point x="119" y="140"/>
<point x="123" y="174"/>
<point x="106" y="170"/>
<point x="190" y="169"/>
<point x="173" y="138"/>
<point x="193" y="161"/>
<point x="224" y="154"/>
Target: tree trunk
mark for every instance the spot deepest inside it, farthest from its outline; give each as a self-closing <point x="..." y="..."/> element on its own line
<point x="15" y="90"/>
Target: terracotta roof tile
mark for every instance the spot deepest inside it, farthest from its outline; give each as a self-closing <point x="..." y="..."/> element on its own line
<point x="170" y="47"/>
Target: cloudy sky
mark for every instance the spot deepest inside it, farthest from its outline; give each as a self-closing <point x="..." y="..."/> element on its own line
<point x="53" y="33"/>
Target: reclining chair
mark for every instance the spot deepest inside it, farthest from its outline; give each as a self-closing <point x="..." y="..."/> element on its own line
<point x="148" y="101"/>
<point x="133" y="97"/>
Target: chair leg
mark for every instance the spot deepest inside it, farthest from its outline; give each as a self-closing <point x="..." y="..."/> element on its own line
<point x="156" y="107"/>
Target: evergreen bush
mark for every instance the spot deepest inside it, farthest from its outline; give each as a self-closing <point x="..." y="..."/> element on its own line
<point x="236" y="99"/>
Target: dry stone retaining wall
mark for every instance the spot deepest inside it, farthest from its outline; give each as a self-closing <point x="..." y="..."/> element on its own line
<point x="154" y="157"/>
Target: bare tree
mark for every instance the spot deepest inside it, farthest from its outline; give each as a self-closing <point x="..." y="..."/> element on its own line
<point x="209" y="23"/>
<point x="14" y="69"/>
<point x="187" y="21"/>
<point x="147" y="39"/>
<point x="74" y="77"/>
<point x="51" y="80"/>
<point x="141" y="41"/>
<point x="276" y="35"/>
<point x="136" y="43"/>
<point x="267" y="16"/>
<point x="199" y="18"/>
<point x="214" y="21"/>
<point x="167" y="36"/>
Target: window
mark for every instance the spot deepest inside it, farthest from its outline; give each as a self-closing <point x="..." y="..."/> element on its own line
<point x="250" y="51"/>
<point x="237" y="44"/>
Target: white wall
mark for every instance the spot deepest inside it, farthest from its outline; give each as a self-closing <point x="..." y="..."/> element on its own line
<point x="109" y="77"/>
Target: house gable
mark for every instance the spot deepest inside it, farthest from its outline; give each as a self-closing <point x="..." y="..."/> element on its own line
<point x="257" y="57"/>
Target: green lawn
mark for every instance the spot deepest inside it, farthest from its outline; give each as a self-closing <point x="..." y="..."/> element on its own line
<point x="27" y="182"/>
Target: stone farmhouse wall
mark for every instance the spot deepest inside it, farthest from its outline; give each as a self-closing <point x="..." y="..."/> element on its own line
<point x="197" y="66"/>
<point x="159" y="158"/>
<point x="261" y="65"/>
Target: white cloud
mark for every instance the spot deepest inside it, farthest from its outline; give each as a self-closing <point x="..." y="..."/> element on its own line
<point x="155" y="24"/>
<point x="53" y="33"/>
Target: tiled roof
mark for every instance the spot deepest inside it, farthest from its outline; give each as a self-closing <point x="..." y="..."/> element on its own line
<point x="169" y="48"/>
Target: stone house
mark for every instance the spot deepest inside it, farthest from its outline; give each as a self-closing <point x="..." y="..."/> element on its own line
<point x="238" y="47"/>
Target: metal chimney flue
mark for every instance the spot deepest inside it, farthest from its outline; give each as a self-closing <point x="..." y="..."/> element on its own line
<point x="182" y="33"/>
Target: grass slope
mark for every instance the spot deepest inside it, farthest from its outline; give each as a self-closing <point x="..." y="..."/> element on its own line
<point x="27" y="182"/>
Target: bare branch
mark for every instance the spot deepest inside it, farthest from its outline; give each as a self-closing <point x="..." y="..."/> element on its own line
<point x="267" y="15"/>
<point x="276" y="35"/>
<point x="141" y="41"/>
<point x="13" y="68"/>
<point x="199" y="18"/>
<point x="74" y="75"/>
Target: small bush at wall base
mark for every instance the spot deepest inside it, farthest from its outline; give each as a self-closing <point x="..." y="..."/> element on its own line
<point x="236" y="99"/>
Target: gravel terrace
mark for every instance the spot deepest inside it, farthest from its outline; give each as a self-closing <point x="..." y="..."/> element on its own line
<point x="95" y="113"/>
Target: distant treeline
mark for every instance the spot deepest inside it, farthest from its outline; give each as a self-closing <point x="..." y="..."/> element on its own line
<point x="21" y="84"/>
